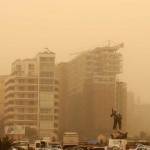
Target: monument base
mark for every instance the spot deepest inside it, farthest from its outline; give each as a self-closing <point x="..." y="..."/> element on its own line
<point x="118" y="134"/>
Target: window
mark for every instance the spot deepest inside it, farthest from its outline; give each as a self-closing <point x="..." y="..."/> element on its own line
<point x="21" y="88"/>
<point x="56" y="117"/>
<point x="30" y="95"/>
<point x="31" y="66"/>
<point x="32" y="88"/>
<point x="21" y="95"/>
<point x="31" y="102"/>
<point x="45" y="117"/>
<point x="56" y="89"/>
<point x="19" y="103"/>
<point x="46" y="74"/>
<point x="55" y="110"/>
<point x="56" y="103"/>
<point x="55" y="125"/>
<point x="20" y="110"/>
<point x="56" y="82"/>
<point x="32" y="81"/>
<point x="21" y="80"/>
<point x="46" y="81"/>
<point x="47" y="59"/>
<point x="56" y="96"/>
<point x="46" y="88"/>
<point x="45" y="110"/>
<point x="18" y="67"/>
<point x="20" y="117"/>
<point x="31" y="110"/>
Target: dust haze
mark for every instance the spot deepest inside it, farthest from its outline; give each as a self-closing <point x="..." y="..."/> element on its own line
<point x="69" y="26"/>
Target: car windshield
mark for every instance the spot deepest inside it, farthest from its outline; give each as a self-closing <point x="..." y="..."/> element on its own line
<point x="22" y="144"/>
<point x="55" y="146"/>
<point x="38" y="145"/>
<point x="43" y="144"/>
<point x="99" y="148"/>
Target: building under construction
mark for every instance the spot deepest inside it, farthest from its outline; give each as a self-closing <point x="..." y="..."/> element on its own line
<point x="88" y="89"/>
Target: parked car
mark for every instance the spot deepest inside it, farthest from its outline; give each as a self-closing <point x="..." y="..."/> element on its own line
<point x="142" y="147"/>
<point x="98" y="148"/>
<point x="55" y="146"/>
<point x="117" y="144"/>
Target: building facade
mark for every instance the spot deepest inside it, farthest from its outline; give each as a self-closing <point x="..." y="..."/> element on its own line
<point x="2" y="95"/>
<point x="31" y="96"/>
<point x="88" y="85"/>
<point x="2" y="99"/>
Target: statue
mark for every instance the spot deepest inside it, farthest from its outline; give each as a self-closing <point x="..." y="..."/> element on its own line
<point x="117" y="134"/>
<point x="117" y="119"/>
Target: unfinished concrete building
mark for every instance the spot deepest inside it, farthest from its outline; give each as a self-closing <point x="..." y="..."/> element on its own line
<point x="88" y="90"/>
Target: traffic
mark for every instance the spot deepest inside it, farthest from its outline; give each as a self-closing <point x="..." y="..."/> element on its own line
<point x="71" y="141"/>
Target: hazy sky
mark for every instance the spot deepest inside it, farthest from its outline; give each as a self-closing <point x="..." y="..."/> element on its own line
<point x="66" y="26"/>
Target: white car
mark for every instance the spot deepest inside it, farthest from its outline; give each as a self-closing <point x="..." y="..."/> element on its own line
<point x="55" y="146"/>
<point x="117" y="144"/>
<point x="142" y="147"/>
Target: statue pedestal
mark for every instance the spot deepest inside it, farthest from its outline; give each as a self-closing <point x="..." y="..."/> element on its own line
<point x="118" y="134"/>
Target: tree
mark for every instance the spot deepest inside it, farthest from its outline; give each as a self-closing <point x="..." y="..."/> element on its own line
<point x="6" y="143"/>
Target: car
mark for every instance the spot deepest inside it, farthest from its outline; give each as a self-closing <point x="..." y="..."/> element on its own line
<point x="117" y="144"/>
<point x="21" y="145"/>
<point x="98" y="148"/>
<point x="142" y="147"/>
<point x="40" y="145"/>
<point x="55" y="146"/>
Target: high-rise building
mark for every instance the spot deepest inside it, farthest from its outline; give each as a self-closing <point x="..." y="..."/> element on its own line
<point x="61" y="74"/>
<point x="138" y="121"/>
<point x="88" y="90"/>
<point x="31" y="96"/>
<point x="2" y="95"/>
<point x="2" y="98"/>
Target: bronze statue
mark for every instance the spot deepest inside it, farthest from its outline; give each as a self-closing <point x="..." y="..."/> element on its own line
<point x="117" y="134"/>
<point x="117" y="119"/>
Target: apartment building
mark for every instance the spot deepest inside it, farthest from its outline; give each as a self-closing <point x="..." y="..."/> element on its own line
<point x="2" y="95"/>
<point x="88" y="90"/>
<point x="31" y="96"/>
<point x="2" y="98"/>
